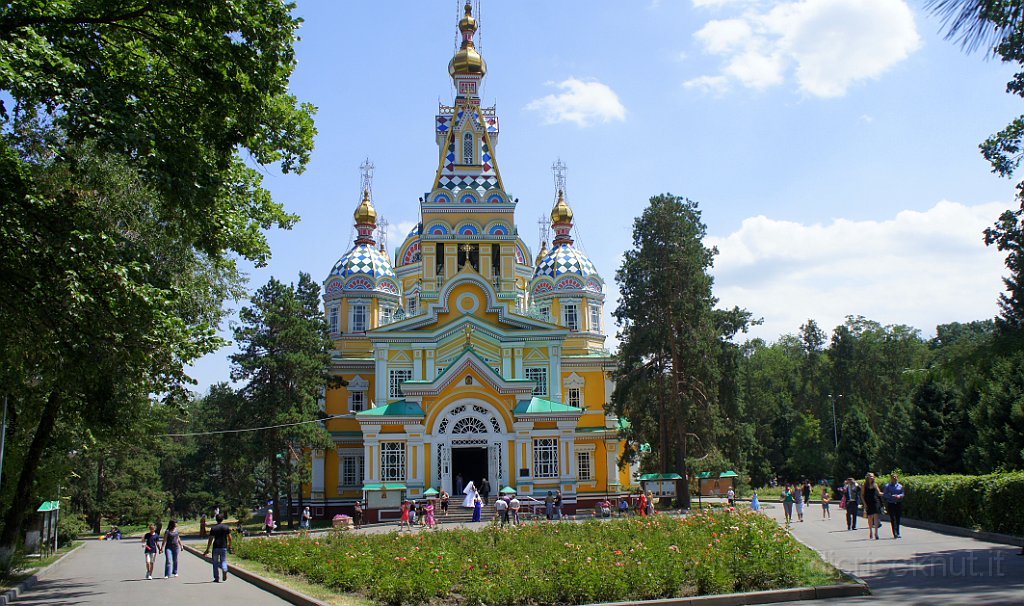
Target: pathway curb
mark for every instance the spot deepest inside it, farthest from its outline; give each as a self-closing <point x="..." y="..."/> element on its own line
<point x="796" y="594"/>
<point x="12" y="594"/>
<point x="286" y="594"/>
<point x="960" y="531"/>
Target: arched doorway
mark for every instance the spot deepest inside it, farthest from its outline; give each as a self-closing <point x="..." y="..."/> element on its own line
<point x="469" y="440"/>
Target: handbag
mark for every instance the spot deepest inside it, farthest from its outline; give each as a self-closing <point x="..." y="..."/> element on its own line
<point x="842" y="502"/>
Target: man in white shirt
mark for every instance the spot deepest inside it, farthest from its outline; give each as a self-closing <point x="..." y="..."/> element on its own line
<point x="514" y="506"/>
<point x="501" y="509"/>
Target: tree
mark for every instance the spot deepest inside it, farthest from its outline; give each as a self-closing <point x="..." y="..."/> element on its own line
<point x="284" y="358"/>
<point x="122" y="198"/>
<point x="858" y="446"/>
<point x="809" y="452"/>
<point x="998" y="418"/>
<point x="671" y="337"/>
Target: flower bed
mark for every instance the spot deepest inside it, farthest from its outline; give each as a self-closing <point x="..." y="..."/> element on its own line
<point x="560" y="563"/>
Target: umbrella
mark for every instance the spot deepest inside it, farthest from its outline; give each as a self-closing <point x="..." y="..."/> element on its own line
<point x="508" y="490"/>
<point x="430" y="492"/>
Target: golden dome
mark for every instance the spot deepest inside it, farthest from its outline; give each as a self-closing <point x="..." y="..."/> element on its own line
<point x="467" y="60"/>
<point x="365" y="212"/>
<point x="561" y="213"/>
<point x="543" y="253"/>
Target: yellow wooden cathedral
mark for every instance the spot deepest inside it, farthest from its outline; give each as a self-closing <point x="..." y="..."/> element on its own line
<point x="465" y="357"/>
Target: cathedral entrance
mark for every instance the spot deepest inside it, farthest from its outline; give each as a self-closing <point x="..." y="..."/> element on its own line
<point x="471" y="463"/>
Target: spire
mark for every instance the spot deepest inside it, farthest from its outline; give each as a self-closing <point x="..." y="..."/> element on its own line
<point x="467" y="67"/>
<point x="543" y="252"/>
<point x="366" y="219"/>
<point x="561" y="214"/>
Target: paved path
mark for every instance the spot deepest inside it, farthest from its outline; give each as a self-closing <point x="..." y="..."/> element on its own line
<point x="114" y="572"/>
<point x="923" y="568"/>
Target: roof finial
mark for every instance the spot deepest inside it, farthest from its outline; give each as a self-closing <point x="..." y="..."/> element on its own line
<point x="366" y="174"/>
<point x="558" y="169"/>
<point x="366" y="214"/>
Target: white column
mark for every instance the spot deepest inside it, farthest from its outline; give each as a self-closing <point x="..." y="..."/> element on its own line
<point x="523" y="455"/>
<point x="506" y="363"/>
<point x="519" y="363"/>
<point x="415" y="463"/>
<point x="417" y="365"/>
<point x="612" y="472"/>
<point x="380" y="354"/>
<point x="317" y="482"/>
<point x="555" y="372"/>
<point x="430" y="365"/>
<point x="371" y="458"/>
<point x="567" y="440"/>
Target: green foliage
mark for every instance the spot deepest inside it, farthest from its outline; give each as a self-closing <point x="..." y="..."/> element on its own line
<point x="72" y="525"/>
<point x="979" y="502"/>
<point x="858" y="447"/>
<point x="672" y="340"/>
<point x="616" y="560"/>
<point x="999" y="416"/>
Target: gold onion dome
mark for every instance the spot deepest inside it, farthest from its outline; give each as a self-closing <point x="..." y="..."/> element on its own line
<point x="543" y="253"/>
<point x="561" y="213"/>
<point x="467" y="60"/>
<point x="365" y="212"/>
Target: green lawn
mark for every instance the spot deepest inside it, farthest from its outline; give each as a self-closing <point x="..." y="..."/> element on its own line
<point x="553" y="563"/>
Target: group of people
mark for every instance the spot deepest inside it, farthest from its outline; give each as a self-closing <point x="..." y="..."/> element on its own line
<point x="874" y="499"/>
<point x="413" y="513"/>
<point x="796" y="496"/>
<point x="169" y="544"/>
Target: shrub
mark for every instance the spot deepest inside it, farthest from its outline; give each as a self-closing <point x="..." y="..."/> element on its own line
<point x="980" y="502"/>
<point x="544" y="563"/>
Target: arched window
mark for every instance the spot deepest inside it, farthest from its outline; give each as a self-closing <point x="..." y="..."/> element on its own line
<point x="470" y="425"/>
<point x="467" y="148"/>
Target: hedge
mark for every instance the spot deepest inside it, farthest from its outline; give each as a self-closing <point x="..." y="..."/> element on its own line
<point x="980" y="502"/>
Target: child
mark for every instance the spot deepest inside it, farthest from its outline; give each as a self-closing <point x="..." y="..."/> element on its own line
<point x="152" y="549"/>
<point x="825" y="498"/>
<point x="429" y="511"/>
<point x="412" y="514"/>
<point x="404" y="521"/>
<point x="755" y="505"/>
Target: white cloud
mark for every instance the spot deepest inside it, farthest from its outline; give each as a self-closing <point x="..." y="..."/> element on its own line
<point x="918" y="268"/>
<point x="827" y="45"/>
<point x="582" y="102"/>
<point x="718" y="3"/>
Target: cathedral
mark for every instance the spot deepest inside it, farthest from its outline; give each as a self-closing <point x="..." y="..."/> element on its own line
<point x="464" y="356"/>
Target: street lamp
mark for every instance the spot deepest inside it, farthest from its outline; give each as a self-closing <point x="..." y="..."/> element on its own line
<point x="835" y="430"/>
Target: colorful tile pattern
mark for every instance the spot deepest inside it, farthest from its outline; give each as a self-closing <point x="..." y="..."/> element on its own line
<point x="565" y="259"/>
<point x="363" y="259"/>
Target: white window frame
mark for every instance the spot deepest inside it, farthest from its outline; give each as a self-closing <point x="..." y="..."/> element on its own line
<point x="574" y="396"/>
<point x="584" y="465"/>
<point x="544" y="311"/>
<point x="351" y="470"/>
<point x="540" y="375"/>
<point x="392" y="461"/>
<point x="357" y="401"/>
<point x="413" y="305"/>
<point x="360" y="312"/>
<point x="334" y="319"/>
<point x="595" y="317"/>
<point x="396" y="376"/>
<point x="545" y="457"/>
<point x="571" y="316"/>
<point x="468" y="151"/>
<point x="387" y="314"/>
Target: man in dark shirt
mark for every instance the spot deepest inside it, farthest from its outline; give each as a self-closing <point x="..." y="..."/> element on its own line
<point x="220" y="541"/>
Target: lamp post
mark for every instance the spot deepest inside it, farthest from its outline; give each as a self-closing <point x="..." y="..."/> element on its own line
<point x="835" y="430"/>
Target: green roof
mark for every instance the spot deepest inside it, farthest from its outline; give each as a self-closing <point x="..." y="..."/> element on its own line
<point x="400" y="408"/>
<point x="49" y="506"/>
<point x="541" y="406"/>
<point x="660" y="476"/>
<point x="507" y="490"/>
<point x="430" y="492"/>
<point x="729" y="474"/>
<point x="705" y="475"/>
<point x="384" y="487"/>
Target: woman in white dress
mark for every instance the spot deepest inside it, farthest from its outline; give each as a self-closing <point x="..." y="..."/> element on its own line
<point x="470" y="492"/>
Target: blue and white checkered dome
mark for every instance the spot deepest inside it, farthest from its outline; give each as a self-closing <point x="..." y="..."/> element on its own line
<point x="365" y="260"/>
<point x="565" y="259"/>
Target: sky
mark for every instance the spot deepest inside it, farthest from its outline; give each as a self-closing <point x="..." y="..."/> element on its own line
<point x="832" y="145"/>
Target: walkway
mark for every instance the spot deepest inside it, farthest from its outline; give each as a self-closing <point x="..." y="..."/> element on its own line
<point x="923" y="568"/>
<point x="114" y="572"/>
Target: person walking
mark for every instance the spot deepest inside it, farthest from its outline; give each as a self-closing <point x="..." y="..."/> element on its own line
<point x="501" y="510"/>
<point x="806" y="492"/>
<point x="642" y="505"/>
<point x="755" y="504"/>
<point x="403" y="522"/>
<point x="787" y="503"/>
<point x="549" y="505"/>
<point x="852" y="495"/>
<point x="428" y="514"/>
<point x="558" y="504"/>
<point x="650" y="503"/>
<point x="478" y="506"/>
<point x="513" y="507"/>
<point x="872" y="496"/>
<point x="220" y="542"/>
<point x="268" y="520"/>
<point x="172" y="547"/>
<point x="893" y="494"/>
<point x="459" y="483"/>
<point x="202" y="526"/>
<point x="798" y="498"/>
<point x="306" y="520"/>
<point x="730" y="497"/>
<point x="825" y="498"/>
<point x="485" y="490"/>
<point x="152" y="549"/>
<point x="444" y="502"/>
<point x="357" y="514"/>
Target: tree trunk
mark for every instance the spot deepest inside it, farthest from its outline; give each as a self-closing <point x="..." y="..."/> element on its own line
<point x="288" y="482"/>
<point x="275" y="486"/>
<point x="98" y="507"/>
<point x="22" y="499"/>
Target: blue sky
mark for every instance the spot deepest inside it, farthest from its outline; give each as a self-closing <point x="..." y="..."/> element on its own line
<point x="831" y="144"/>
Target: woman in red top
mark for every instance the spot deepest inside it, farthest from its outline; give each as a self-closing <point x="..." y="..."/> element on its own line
<point x="643" y="504"/>
<point x="405" y="517"/>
